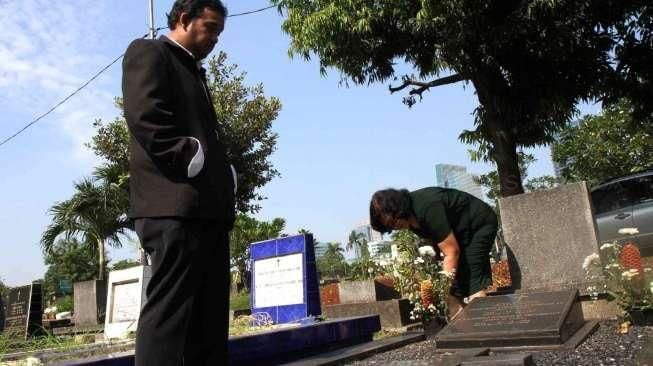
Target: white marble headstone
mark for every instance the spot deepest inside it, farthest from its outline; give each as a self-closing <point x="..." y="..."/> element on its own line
<point x="125" y="299"/>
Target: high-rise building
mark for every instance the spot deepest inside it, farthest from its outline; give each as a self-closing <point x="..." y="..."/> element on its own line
<point x="369" y="235"/>
<point x="457" y="177"/>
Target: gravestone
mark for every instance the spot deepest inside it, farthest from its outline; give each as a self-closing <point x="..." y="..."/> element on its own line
<point x="24" y="312"/>
<point x="90" y="302"/>
<point x="549" y="234"/>
<point x="527" y="319"/>
<point x="284" y="278"/>
<point x="125" y="299"/>
<point x="353" y="292"/>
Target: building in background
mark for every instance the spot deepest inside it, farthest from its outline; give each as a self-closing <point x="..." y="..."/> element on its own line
<point x="369" y="235"/>
<point x="457" y="177"/>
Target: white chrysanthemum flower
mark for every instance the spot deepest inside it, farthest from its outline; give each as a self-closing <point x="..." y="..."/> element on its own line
<point x="607" y="246"/>
<point x="628" y="275"/>
<point x="419" y="260"/>
<point x="370" y="270"/>
<point x="647" y="269"/>
<point x="427" y="250"/>
<point x="590" y="259"/>
<point x="628" y="231"/>
<point x="634" y="271"/>
<point x="412" y="317"/>
<point x="431" y="307"/>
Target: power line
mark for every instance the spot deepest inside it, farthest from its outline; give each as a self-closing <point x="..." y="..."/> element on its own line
<point x="251" y="12"/>
<point x="64" y="100"/>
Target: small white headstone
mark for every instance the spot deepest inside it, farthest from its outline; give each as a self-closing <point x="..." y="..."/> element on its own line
<point x="125" y="299"/>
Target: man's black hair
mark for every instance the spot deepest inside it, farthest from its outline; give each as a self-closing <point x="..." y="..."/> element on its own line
<point x="194" y="8"/>
<point x="395" y="203"/>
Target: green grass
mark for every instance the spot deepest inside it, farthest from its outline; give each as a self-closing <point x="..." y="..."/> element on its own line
<point x="47" y="341"/>
<point x="239" y="302"/>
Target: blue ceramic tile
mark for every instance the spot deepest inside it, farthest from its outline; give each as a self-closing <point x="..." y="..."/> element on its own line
<point x="285" y="246"/>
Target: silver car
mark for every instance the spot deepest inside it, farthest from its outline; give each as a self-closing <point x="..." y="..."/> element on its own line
<point x="626" y="202"/>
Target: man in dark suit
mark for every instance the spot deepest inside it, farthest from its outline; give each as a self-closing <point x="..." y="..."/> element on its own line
<point x="182" y="189"/>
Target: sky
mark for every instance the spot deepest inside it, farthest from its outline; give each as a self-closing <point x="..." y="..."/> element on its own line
<point x="336" y="146"/>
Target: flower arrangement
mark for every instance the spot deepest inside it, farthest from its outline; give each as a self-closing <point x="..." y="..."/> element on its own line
<point x="417" y="276"/>
<point x="618" y="271"/>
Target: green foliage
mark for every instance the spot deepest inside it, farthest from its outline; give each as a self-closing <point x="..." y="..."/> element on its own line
<point x="124" y="264"/>
<point x="248" y="230"/>
<point x="69" y="259"/>
<point x="491" y="182"/>
<point x="358" y="242"/>
<point x="410" y="269"/>
<point x="366" y="268"/>
<point x="604" y="146"/>
<point x="332" y="264"/>
<point x="94" y="214"/>
<point x="246" y="116"/>
<point x="4" y="290"/>
<point x="529" y="62"/>
<point x="240" y="301"/>
<point x="65" y="303"/>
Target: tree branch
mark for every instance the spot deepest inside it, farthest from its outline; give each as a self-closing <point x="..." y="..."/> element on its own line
<point x="422" y="86"/>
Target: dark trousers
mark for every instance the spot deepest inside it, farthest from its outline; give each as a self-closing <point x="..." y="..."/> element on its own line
<point x="185" y="319"/>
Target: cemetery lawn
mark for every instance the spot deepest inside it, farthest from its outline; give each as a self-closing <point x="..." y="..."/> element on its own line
<point x="239" y="301"/>
<point x="35" y="344"/>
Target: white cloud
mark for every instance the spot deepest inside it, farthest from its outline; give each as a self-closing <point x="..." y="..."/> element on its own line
<point x="48" y="49"/>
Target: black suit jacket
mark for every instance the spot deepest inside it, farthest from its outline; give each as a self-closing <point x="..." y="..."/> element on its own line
<point x="166" y="103"/>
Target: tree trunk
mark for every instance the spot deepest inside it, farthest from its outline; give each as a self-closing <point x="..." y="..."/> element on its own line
<point x="100" y="244"/>
<point x="505" y="156"/>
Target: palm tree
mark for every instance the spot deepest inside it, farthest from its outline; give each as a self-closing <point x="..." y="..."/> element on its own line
<point x="358" y="241"/>
<point x="95" y="213"/>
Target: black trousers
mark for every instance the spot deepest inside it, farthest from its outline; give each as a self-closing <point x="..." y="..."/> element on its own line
<point x="185" y="319"/>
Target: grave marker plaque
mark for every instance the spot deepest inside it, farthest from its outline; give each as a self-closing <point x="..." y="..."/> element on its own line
<point x="23" y="312"/>
<point x="125" y="299"/>
<point x="523" y="319"/>
<point x="284" y="278"/>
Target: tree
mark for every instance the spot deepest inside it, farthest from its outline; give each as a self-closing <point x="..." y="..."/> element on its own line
<point x="490" y="180"/>
<point x="95" y="214"/>
<point x="333" y="261"/>
<point x="358" y="241"/>
<point x="607" y="145"/>
<point x="246" y="116"/>
<point x="529" y="62"/>
<point x="69" y="259"/>
<point x="124" y="264"/>
<point x="248" y="230"/>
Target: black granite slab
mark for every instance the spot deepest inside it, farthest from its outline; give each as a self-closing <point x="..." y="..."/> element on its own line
<point x="523" y="319"/>
<point x="24" y="312"/>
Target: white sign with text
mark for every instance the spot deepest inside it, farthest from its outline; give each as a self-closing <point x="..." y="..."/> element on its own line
<point x="279" y="281"/>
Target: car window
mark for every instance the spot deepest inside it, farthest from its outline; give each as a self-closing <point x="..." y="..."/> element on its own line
<point x="643" y="189"/>
<point x="610" y="198"/>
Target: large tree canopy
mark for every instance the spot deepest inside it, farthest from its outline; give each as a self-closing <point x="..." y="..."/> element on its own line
<point x="530" y="62"/>
<point x="604" y="146"/>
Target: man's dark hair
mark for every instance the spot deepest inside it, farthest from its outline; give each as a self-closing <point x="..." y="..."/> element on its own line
<point x="194" y="8"/>
<point x="395" y="203"/>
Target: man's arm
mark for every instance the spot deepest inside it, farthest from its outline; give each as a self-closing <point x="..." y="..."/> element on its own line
<point x="148" y="108"/>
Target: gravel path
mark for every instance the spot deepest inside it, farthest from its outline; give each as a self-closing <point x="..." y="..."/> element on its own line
<point x="605" y="347"/>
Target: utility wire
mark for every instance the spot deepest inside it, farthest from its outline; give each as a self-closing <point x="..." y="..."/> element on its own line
<point x="64" y="100"/>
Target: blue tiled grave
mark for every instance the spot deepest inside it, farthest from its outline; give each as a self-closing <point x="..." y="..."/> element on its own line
<point x="289" y="344"/>
<point x="277" y="346"/>
<point x="284" y="278"/>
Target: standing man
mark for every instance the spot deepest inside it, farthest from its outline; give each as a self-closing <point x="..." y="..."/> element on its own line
<point x="182" y="189"/>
